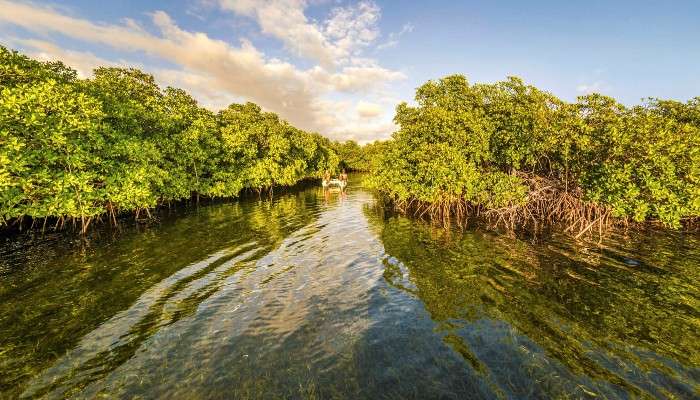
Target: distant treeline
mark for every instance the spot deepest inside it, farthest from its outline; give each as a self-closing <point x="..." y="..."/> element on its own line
<point x="519" y="156"/>
<point x="354" y="157"/>
<point x="75" y="149"/>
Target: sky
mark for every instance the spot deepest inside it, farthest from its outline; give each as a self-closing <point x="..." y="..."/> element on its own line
<point x="340" y="67"/>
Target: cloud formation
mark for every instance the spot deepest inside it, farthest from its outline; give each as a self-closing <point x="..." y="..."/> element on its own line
<point x="393" y="40"/>
<point x="366" y="109"/>
<point x="334" y="42"/>
<point x="218" y="72"/>
<point x="82" y="61"/>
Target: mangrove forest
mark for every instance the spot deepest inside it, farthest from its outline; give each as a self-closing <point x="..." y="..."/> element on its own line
<point x="75" y="150"/>
<point x="78" y="149"/>
<point x="519" y="156"/>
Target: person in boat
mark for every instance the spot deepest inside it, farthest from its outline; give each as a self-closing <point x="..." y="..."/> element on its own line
<point x="326" y="179"/>
<point x="343" y="178"/>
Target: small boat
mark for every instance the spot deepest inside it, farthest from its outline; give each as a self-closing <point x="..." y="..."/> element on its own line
<point x="335" y="183"/>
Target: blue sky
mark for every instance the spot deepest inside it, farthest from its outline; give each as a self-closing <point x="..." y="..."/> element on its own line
<point x="340" y="67"/>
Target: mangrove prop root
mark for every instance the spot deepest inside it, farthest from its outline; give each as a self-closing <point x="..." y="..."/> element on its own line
<point x="549" y="202"/>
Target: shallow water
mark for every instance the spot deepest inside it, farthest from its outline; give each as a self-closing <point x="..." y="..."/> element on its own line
<point x="308" y="296"/>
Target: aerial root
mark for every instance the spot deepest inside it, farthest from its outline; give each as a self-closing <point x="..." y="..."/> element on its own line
<point x="549" y="202"/>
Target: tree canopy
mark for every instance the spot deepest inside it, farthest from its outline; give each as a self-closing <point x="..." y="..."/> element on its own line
<point x="482" y="145"/>
<point x="117" y="142"/>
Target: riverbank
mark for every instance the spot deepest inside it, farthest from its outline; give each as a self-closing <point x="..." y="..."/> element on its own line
<point x="123" y="220"/>
<point x="549" y="208"/>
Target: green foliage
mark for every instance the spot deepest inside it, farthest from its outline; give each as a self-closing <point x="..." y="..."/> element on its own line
<point x="354" y="157"/>
<point x="133" y="106"/>
<point x="72" y="148"/>
<point x="351" y="156"/>
<point x="50" y="147"/>
<point x="473" y="143"/>
<point x="267" y="151"/>
<point x="442" y="150"/>
<point x="77" y="148"/>
<point x="524" y="121"/>
<point x="643" y="162"/>
<point x="189" y="146"/>
<point x="16" y="69"/>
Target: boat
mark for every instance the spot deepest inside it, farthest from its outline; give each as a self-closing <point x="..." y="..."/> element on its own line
<point x="335" y="184"/>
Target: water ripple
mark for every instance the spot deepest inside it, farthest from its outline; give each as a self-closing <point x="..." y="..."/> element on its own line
<point x="313" y="296"/>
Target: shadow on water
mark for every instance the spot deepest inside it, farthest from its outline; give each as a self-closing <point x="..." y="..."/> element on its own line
<point x="323" y="296"/>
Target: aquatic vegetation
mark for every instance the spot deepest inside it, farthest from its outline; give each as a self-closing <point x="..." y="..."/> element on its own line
<point x="520" y="156"/>
<point x="79" y="149"/>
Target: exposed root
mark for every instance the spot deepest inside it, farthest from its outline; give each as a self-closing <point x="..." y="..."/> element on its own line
<point x="549" y="203"/>
<point x="691" y="224"/>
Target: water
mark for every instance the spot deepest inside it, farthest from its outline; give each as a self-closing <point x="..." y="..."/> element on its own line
<point x="308" y="296"/>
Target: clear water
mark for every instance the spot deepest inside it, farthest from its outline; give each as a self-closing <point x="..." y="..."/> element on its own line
<point x="313" y="296"/>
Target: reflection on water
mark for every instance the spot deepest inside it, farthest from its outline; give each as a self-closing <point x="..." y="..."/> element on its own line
<point x="325" y="296"/>
<point x="556" y="319"/>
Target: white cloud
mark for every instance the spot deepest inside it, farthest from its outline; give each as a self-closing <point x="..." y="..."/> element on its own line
<point x="330" y="43"/>
<point x="83" y="62"/>
<point x="344" y="115"/>
<point x="366" y="133"/>
<point x="285" y="20"/>
<point x="217" y="72"/>
<point x="366" y="109"/>
<point x="596" y="83"/>
<point x="393" y="39"/>
<point x="355" y="79"/>
<point x="352" y="28"/>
